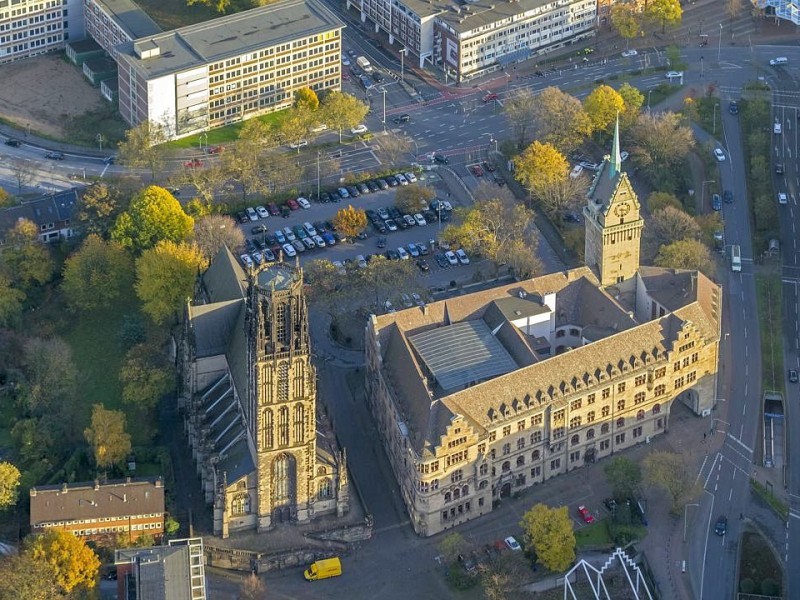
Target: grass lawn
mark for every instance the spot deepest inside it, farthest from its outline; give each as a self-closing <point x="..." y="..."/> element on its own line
<point x="770" y="313"/>
<point x="593" y="536"/>
<point x="223" y="135"/>
<point x="757" y="560"/>
<point x="171" y="14"/>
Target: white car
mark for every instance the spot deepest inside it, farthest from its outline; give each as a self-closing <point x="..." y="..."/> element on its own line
<point x="451" y="257"/>
<point x="361" y="261"/>
<point x="512" y="544"/>
<point x="298" y="144"/>
<point x="359" y="129"/>
<point x="629" y="53"/>
<point x="782" y="198"/>
<point x="252" y="214"/>
<point x="719" y="154"/>
<point x="776" y="128"/>
<point x="262" y="212"/>
<point x="576" y="172"/>
<point x="420" y="220"/>
<point x="318" y="241"/>
<point x="409" y="220"/>
<point x="304" y="203"/>
<point x="674" y="74"/>
<point x="411" y="177"/>
<point x="258" y="258"/>
<point x="345" y="61"/>
<point x="401" y="179"/>
<point x="289" y="250"/>
<point x="402" y="253"/>
<point x="462" y="256"/>
<point x="247" y="261"/>
<point x="387" y="306"/>
<point x="447" y="206"/>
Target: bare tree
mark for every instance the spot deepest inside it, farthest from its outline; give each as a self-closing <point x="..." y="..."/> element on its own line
<point x="520" y="110"/>
<point x="394" y="146"/>
<point x="23" y="172"/>
<point x="213" y="232"/>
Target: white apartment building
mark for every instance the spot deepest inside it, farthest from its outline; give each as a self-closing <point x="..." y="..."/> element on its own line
<point x="468" y="39"/>
<point x="230" y="69"/>
<point x="31" y="27"/>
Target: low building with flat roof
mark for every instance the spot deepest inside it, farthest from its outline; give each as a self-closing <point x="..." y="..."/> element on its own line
<point x="230" y="69"/>
<point x="171" y="572"/>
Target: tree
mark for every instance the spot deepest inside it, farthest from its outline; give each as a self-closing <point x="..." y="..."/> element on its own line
<point x="213" y="232"/>
<point x="72" y="561"/>
<point x="499" y="577"/>
<point x="25" y="260"/>
<point x="306" y="98"/>
<point x="350" y="221"/>
<point x="23" y="172"/>
<point x="23" y="577"/>
<point x="96" y="275"/>
<point x="548" y="532"/>
<point x="98" y="208"/>
<point x="660" y="144"/>
<point x="221" y="6"/>
<point x="412" y="199"/>
<point x="153" y="215"/>
<point x="107" y="436"/>
<point x="625" y="20"/>
<point x="671" y="224"/>
<point x="6" y="199"/>
<point x="51" y="377"/>
<point x="243" y="163"/>
<point x="205" y="181"/>
<point x="521" y="257"/>
<point x="380" y="280"/>
<point x="258" y="133"/>
<point x="165" y="278"/>
<point x="664" y="12"/>
<point x="11" y="300"/>
<point x="171" y="526"/>
<point x="685" y="254"/>
<point x="659" y="200"/>
<point x="670" y="472"/>
<point x="145" y="377"/>
<point x="520" y="110"/>
<point x="343" y="111"/>
<point x="733" y="8"/>
<point x="559" y="119"/>
<point x="540" y="166"/>
<point x="451" y="546"/>
<point x="283" y="171"/>
<point x="602" y="106"/>
<point x="9" y="484"/>
<point x="294" y="126"/>
<point x="252" y="588"/>
<point x="624" y="476"/>
<point x="633" y="100"/>
<point x="143" y="147"/>
<point x="394" y="146"/>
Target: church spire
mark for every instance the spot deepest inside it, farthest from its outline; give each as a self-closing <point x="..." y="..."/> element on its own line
<point x="616" y="158"/>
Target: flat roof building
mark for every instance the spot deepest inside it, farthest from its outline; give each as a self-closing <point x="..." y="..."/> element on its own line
<point x="31" y="27"/>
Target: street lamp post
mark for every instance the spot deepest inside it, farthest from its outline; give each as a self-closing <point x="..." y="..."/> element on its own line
<point x="318" y="190"/>
<point x="719" y="46"/>
<point x="402" y="63"/>
<point x="703" y="191"/>
<point x="383" y="89"/>
<point x="648" y="99"/>
<point x="714" y="124"/>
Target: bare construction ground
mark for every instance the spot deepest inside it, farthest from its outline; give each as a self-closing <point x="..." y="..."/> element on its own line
<point x="43" y="94"/>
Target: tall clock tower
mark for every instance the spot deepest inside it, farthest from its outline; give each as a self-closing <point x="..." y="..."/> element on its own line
<point x="613" y="223"/>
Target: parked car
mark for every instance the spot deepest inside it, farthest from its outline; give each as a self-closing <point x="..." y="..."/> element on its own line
<point x="413" y="250"/>
<point x="299" y="246"/>
<point x="252" y="214"/>
<point x="288" y="250"/>
<point x="247" y="261"/>
<point x="343" y="192"/>
<point x="585" y="515"/>
<point x="14" y="142"/>
<point x="292" y="204"/>
<point x="629" y="53"/>
<point x="406" y="301"/>
<point x="512" y="544"/>
<point x="359" y="129"/>
<point x="401" y="179"/>
<point x="258" y="229"/>
<point x="60" y="156"/>
<point x="490" y="97"/>
<point x="361" y="261"/>
<point x="716" y="202"/>
<point x="442" y="261"/>
<point x="329" y="238"/>
<point x="262" y="212"/>
<point x="242" y="217"/>
<point x="391" y="225"/>
<point x="298" y="144"/>
<point x="392" y="181"/>
<point x="401" y="252"/>
<point x="793" y="376"/>
<point x="381" y="241"/>
<point x="674" y="74"/>
<point x="382" y="184"/>
<point x="409" y="220"/>
<point x="304" y="203"/>
<point x="420" y="220"/>
<point x="289" y="234"/>
<point x="411" y="177"/>
<point x="417" y="299"/>
<point x="273" y="209"/>
<point x="476" y="170"/>
<point x="423" y="265"/>
<point x="462" y="256"/>
<point x="451" y="257"/>
<point x="719" y="154"/>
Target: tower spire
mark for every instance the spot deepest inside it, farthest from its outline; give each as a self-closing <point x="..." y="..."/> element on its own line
<point x="616" y="158"/>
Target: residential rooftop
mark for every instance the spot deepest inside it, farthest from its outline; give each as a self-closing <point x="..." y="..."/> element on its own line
<point x="130" y="18"/>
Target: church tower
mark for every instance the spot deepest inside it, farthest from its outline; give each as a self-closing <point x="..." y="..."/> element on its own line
<point x="613" y="223"/>
<point x="281" y="408"/>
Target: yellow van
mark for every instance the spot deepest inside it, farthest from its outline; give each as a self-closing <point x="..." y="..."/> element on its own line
<point x="322" y="569"/>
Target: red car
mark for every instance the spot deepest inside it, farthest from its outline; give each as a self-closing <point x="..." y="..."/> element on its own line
<point x="292" y="203"/>
<point x="490" y="97"/>
<point x="215" y="150"/>
<point x="476" y="170"/>
<point x="273" y="209"/>
<point x="195" y="162"/>
<point x="585" y="515"/>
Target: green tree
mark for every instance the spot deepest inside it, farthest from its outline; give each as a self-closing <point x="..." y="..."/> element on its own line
<point x="213" y="232"/>
<point x="451" y="546"/>
<point x="412" y="199"/>
<point x="6" y="199"/>
<point x="548" y="532"/>
<point x="96" y="275"/>
<point x="25" y="260"/>
<point x="658" y="200"/>
<point x="624" y="477"/>
<point x="23" y="577"/>
<point x="686" y="254"/>
<point x="11" y="300"/>
<point x="9" y="484"/>
<point x="342" y="111"/>
<point x="144" y="147"/>
<point x="559" y="119"/>
<point x="98" y="208"/>
<point x="520" y="110"/>
<point x="72" y="561"/>
<point x="671" y="224"/>
<point x="633" y="100"/>
<point x="171" y="526"/>
<point x="107" y="436"/>
<point x="165" y="278"/>
<point x="145" y="377"/>
<point x="294" y="126"/>
<point x="669" y="471"/>
<point x="602" y="106"/>
<point x="306" y="98"/>
<point x="350" y="221"/>
<point x="625" y="20"/>
<point x="153" y="215"/>
<point x="664" y="12"/>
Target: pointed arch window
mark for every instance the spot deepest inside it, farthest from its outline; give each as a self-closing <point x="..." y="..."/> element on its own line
<point x="267" y="431"/>
<point x="283" y="426"/>
<point x="299" y="432"/>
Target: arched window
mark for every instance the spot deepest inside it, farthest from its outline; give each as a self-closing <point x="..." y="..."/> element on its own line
<point x="620" y="422"/>
<point x="267" y="436"/>
<point x="456" y="494"/>
<point x="283" y="426"/>
<point x="575" y="440"/>
<point x="640" y="415"/>
<point x="240" y="505"/>
<point x="656" y="409"/>
<point x="590" y="434"/>
<point x="520" y="460"/>
<point x="325" y="488"/>
<point x="506" y="467"/>
<point x="536" y="455"/>
<point x="483" y="484"/>
<point x="604" y="428"/>
<point x="321" y="470"/>
<point x="465" y="490"/>
<point x="299" y="433"/>
<point x="447" y="497"/>
<point x="484" y="469"/>
<point x="283" y="478"/>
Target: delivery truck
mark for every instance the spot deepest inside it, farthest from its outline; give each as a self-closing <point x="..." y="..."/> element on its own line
<point x="736" y="258"/>
<point x="322" y="569"/>
<point x="362" y="62"/>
